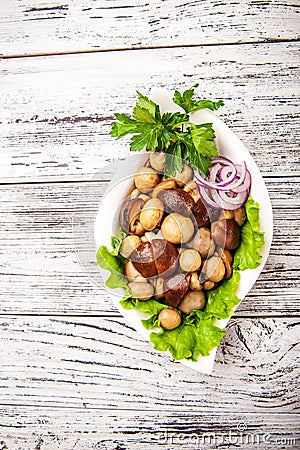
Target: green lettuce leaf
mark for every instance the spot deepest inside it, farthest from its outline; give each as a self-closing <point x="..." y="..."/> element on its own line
<point x="247" y="255"/>
<point x="190" y="339"/>
<point x="151" y="306"/>
<point x="112" y="261"/>
<point x="221" y="300"/>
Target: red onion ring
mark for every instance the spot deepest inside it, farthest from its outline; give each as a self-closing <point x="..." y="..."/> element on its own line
<point x="228" y="184"/>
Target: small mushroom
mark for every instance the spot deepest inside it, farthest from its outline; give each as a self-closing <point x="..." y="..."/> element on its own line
<point x="175" y="288"/>
<point x="226" y="233"/>
<point x="208" y="285"/>
<point x="177" y="200"/>
<point x="191" y="301"/>
<point x="214" y="269"/>
<point x="227" y="259"/>
<point x="192" y="188"/>
<point x="141" y="290"/>
<point x="144" y="197"/>
<point x="157" y="161"/>
<point x="151" y="214"/>
<point x="166" y="184"/>
<point x="132" y="274"/>
<point x="195" y="284"/>
<point x="146" y="179"/>
<point x="177" y="228"/>
<point x="130" y="213"/>
<point x="202" y="242"/>
<point x="239" y="215"/>
<point x="183" y="177"/>
<point x="226" y="214"/>
<point x="134" y="194"/>
<point x="169" y="318"/>
<point x="159" y="287"/>
<point x="129" y="244"/>
<point x="190" y="260"/>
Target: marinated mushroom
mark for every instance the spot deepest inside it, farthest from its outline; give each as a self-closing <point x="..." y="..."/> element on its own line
<point x="165" y="257"/>
<point x="141" y="290"/>
<point x="129" y="244"/>
<point x="190" y="260"/>
<point x="208" y="285"/>
<point x="175" y="288"/>
<point x="184" y="176"/>
<point x="178" y="201"/>
<point x="227" y="259"/>
<point x="169" y="318"/>
<point x="130" y="213"/>
<point x="202" y="242"/>
<point x="132" y="274"/>
<point x="191" y="301"/>
<point x="201" y="214"/>
<point x="157" y="161"/>
<point x="177" y="228"/>
<point x="143" y="260"/>
<point x="135" y="193"/>
<point x="144" y="197"/>
<point x="239" y="215"/>
<point x="166" y="184"/>
<point x="159" y="287"/>
<point x="226" y="233"/>
<point x="151" y="214"/>
<point x="195" y="284"/>
<point x="146" y="179"/>
<point x="192" y="188"/>
<point x="214" y="269"/>
<point x="155" y="258"/>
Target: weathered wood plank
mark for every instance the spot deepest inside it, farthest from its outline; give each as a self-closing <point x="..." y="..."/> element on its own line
<point x="56" y="111"/>
<point x="49" y="26"/>
<point x="64" y="428"/>
<point x="103" y="363"/>
<point x="48" y="265"/>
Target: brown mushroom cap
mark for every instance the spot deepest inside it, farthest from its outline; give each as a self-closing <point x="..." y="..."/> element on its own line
<point x="130" y="212"/>
<point x="143" y="260"/>
<point x="158" y="257"/>
<point x="226" y="233"/>
<point x="201" y="214"/>
<point x="166" y="257"/>
<point x="177" y="200"/>
<point x="175" y="288"/>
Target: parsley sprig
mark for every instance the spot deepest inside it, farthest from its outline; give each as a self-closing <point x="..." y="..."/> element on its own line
<point x="172" y="133"/>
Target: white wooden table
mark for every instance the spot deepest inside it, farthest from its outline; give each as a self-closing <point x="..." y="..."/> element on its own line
<point x="73" y="374"/>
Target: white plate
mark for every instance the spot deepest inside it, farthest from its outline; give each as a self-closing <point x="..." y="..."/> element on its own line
<point x="106" y="225"/>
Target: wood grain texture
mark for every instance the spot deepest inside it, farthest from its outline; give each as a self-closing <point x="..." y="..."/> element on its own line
<point x="47" y="251"/>
<point x="56" y="113"/>
<point x="103" y="363"/>
<point x="91" y="429"/>
<point x="46" y="26"/>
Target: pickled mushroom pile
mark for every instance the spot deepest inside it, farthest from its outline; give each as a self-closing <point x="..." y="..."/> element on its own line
<point x="177" y="247"/>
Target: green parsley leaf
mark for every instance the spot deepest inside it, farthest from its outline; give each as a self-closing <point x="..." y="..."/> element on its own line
<point x="172" y="133"/>
<point x="187" y="102"/>
<point x="203" y="138"/>
<point x="173" y="160"/>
